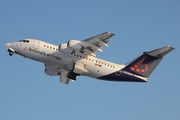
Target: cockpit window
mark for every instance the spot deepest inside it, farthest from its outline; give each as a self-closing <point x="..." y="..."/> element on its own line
<point x="24" y="41"/>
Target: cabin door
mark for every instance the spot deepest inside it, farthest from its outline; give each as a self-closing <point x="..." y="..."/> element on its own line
<point x="36" y="44"/>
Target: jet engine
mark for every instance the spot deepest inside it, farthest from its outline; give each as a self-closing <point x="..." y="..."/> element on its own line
<point x="77" y="70"/>
<point x="74" y="45"/>
<point x="63" y="48"/>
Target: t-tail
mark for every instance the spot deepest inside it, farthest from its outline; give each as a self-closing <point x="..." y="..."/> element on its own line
<point x="145" y="64"/>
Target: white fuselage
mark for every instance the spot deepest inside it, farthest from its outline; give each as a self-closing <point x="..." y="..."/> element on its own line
<point x="50" y="55"/>
<point x="78" y="58"/>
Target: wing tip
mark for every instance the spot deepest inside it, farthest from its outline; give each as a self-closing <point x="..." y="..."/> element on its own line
<point x="110" y="33"/>
<point x="171" y="47"/>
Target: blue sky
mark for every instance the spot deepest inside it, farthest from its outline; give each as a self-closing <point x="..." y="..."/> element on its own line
<point x="140" y="25"/>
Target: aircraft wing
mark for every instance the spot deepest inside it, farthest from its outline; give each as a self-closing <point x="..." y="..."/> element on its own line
<point x="53" y="71"/>
<point x="93" y="44"/>
<point x="63" y="77"/>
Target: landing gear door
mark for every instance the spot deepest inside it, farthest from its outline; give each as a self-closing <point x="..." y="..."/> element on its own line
<point x="36" y="44"/>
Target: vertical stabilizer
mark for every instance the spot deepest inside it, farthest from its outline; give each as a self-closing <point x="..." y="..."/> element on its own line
<point x="147" y="62"/>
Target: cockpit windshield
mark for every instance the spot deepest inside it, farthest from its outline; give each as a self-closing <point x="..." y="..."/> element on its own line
<point x="24" y="41"/>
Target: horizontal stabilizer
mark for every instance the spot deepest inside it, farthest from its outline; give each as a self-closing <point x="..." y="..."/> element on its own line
<point x="161" y="51"/>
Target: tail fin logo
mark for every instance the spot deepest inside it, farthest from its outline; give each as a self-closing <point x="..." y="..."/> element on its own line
<point x="140" y="69"/>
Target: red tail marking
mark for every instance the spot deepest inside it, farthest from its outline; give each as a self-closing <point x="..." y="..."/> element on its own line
<point x="136" y="66"/>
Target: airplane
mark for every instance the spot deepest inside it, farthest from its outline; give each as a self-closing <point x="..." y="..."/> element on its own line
<point x="78" y="58"/>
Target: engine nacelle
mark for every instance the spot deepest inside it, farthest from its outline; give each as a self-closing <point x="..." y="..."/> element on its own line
<point x="63" y="48"/>
<point x="74" y="45"/>
<point x="51" y="72"/>
<point x="79" y="68"/>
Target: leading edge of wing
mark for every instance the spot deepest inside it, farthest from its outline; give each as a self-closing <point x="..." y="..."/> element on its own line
<point x="102" y="36"/>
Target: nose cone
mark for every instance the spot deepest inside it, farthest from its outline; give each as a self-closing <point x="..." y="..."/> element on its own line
<point x="8" y="45"/>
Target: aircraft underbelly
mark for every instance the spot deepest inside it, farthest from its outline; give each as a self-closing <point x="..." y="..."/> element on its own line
<point x="96" y="71"/>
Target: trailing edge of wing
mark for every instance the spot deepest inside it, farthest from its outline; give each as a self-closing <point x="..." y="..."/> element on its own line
<point x="95" y="43"/>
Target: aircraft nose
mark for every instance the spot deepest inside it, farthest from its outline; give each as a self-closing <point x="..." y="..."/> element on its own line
<point x="8" y="45"/>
